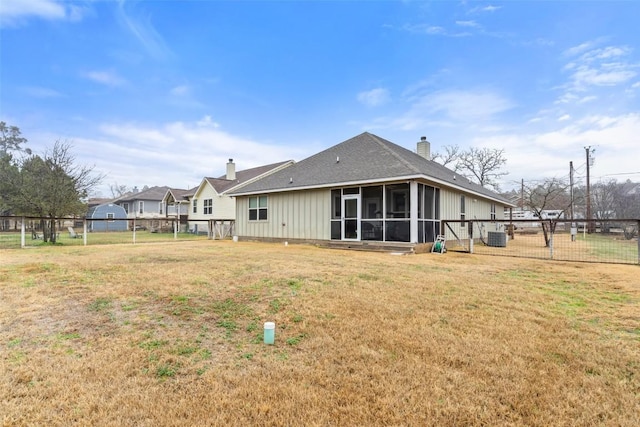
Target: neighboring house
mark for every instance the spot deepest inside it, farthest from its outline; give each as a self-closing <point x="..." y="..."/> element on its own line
<point x="114" y="218"/>
<point x="177" y="202"/>
<point x="210" y="202"/>
<point x="364" y="189"/>
<point x="145" y="204"/>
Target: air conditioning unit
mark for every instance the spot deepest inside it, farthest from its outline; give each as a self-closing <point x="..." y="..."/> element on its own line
<point x="497" y="239"/>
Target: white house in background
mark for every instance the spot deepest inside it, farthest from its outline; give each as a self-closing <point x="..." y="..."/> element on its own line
<point x="210" y="205"/>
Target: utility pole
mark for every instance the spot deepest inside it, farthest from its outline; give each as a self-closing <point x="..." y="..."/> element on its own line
<point x="571" y="187"/>
<point x="574" y="229"/>
<point x="589" y="223"/>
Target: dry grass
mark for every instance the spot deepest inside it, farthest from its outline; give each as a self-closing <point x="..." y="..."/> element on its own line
<point x="170" y="334"/>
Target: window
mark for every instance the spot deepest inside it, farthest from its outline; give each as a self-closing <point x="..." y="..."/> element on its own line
<point x="194" y="202"/>
<point x="258" y="208"/>
<point x="462" y="212"/>
<point x="125" y="206"/>
<point x="208" y="206"/>
<point x="493" y="211"/>
<point x="141" y="207"/>
<point x="110" y="216"/>
<point x="160" y="206"/>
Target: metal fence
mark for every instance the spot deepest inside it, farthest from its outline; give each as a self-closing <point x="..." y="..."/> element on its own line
<point x="22" y="232"/>
<point x="605" y="241"/>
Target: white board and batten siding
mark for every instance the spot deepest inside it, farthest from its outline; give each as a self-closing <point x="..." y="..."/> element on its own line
<point x="223" y="208"/>
<point x="292" y="215"/>
<point x="475" y="208"/>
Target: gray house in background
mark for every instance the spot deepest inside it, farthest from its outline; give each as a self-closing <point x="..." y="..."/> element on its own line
<point x="363" y="189"/>
<point x="114" y="218"/>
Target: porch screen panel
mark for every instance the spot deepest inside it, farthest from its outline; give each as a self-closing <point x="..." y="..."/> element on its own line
<point x="336" y="214"/>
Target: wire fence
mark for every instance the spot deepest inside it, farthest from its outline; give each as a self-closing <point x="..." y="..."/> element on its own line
<point x="25" y="232"/>
<point x="604" y="241"/>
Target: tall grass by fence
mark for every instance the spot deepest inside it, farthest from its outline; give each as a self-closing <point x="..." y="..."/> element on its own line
<point x="606" y="241"/>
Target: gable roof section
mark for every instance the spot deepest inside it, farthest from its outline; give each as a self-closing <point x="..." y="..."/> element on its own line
<point x="223" y="185"/>
<point x="178" y="195"/>
<point x="365" y="158"/>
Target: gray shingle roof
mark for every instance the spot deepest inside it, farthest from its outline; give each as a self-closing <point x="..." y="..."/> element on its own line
<point x="152" y="194"/>
<point x="222" y="184"/>
<point x="361" y="159"/>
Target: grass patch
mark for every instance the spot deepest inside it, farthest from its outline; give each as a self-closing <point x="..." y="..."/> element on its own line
<point x="362" y="338"/>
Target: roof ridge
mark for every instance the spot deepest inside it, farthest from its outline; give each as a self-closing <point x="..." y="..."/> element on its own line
<point x="386" y="146"/>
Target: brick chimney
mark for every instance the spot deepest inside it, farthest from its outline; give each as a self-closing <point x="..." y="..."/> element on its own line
<point x="231" y="170"/>
<point x="424" y="148"/>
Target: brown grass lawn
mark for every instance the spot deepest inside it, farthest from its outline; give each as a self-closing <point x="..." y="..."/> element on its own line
<point x="171" y="334"/>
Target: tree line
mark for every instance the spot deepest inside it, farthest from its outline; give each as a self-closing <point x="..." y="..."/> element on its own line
<point x="49" y="186"/>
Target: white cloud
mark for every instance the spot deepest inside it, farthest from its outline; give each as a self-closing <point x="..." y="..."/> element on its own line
<point x="593" y="67"/>
<point x="181" y="90"/>
<point x="108" y="78"/>
<point x="546" y="154"/>
<point x="473" y="109"/>
<point x="16" y="12"/>
<point x="472" y="24"/>
<point x="432" y="30"/>
<point x="143" y="30"/>
<point x="564" y="118"/>
<point x="176" y="154"/>
<point x="374" y="97"/>
<point x="581" y="48"/>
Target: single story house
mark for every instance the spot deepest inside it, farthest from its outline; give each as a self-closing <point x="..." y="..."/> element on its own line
<point x="209" y="203"/>
<point x="112" y="218"/>
<point x="363" y="189"/>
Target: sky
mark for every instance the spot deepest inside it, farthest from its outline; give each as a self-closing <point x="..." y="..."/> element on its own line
<point x="164" y="92"/>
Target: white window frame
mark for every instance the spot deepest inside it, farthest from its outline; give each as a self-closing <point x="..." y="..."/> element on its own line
<point x="261" y="208"/>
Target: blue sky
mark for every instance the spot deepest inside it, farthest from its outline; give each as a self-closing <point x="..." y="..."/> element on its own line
<point x="164" y="92"/>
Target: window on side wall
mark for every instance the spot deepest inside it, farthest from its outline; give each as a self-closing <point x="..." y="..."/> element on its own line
<point x="462" y="212"/>
<point x="258" y="208"/>
<point x="493" y="211"/>
<point x="141" y="207"/>
<point x="194" y="203"/>
<point x="208" y="206"/>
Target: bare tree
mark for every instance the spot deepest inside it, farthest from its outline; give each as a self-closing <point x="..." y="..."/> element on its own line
<point x="480" y="165"/>
<point x="118" y="190"/>
<point x="551" y="194"/>
<point x="450" y="156"/>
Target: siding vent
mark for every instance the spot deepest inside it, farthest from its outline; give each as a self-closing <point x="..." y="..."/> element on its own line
<point x="338" y="159"/>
